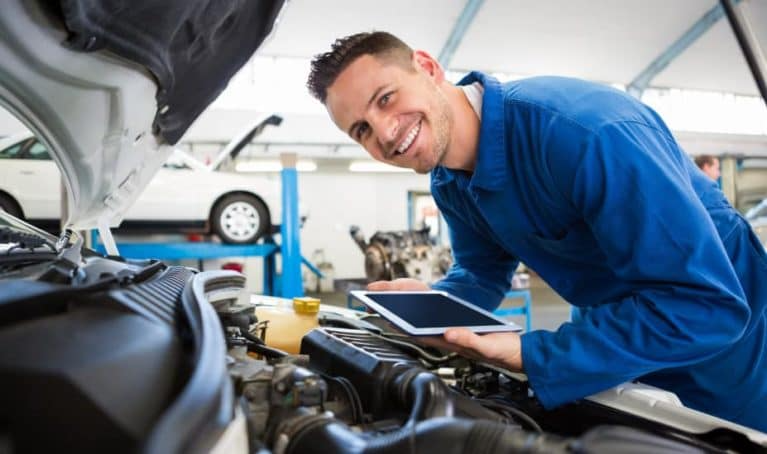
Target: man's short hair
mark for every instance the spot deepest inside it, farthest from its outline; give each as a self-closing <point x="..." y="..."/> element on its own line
<point x="704" y="160"/>
<point x="326" y="67"/>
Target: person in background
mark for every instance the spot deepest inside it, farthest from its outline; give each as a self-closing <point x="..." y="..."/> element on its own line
<point x="587" y="186"/>
<point x="709" y="165"/>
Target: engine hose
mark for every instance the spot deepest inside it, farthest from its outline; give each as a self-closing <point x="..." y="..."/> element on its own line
<point x="442" y="435"/>
<point x="432" y="427"/>
<point x="256" y="345"/>
<point x="451" y="435"/>
<point x="429" y="397"/>
<point x="430" y="400"/>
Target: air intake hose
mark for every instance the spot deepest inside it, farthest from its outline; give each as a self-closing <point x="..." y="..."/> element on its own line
<point x="431" y="426"/>
<point x="442" y="435"/>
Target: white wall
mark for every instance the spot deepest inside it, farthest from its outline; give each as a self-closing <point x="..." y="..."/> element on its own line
<point x="9" y="125"/>
<point x="337" y="200"/>
<point x="373" y="201"/>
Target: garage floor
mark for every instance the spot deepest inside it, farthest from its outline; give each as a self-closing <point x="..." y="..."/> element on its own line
<point x="549" y="309"/>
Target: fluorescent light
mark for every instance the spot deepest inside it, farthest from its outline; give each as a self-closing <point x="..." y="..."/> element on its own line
<point x="273" y="165"/>
<point x="306" y="166"/>
<point x="373" y="166"/>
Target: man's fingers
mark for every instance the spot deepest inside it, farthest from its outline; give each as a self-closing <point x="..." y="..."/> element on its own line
<point x="501" y="348"/>
<point x="397" y="284"/>
<point x="463" y="337"/>
<point x="378" y="286"/>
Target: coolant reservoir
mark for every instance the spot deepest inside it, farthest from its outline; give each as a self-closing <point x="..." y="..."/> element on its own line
<point x="288" y="323"/>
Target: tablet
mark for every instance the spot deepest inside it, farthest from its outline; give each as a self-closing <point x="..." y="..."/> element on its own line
<point x="431" y="313"/>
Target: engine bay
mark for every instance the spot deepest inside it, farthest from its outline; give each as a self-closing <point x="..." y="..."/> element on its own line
<point x="133" y="356"/>
<point x="358" y="387"/>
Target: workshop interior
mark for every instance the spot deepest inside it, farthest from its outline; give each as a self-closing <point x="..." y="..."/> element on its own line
<point x="182" y="225"/>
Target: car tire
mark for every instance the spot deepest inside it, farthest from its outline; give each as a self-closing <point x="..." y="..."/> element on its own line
<point x="240" y="219"/>
<point x="10" y="206"/>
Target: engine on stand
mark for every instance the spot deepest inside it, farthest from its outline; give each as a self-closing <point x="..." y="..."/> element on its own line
<point x="403" y="253"/>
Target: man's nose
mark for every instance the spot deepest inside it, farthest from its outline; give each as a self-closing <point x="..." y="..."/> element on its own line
<point x="386" y="129"/>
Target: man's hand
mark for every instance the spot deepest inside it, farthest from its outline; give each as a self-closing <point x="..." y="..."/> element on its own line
<point x="401" y="284"/>
<point x="502" y="349"/>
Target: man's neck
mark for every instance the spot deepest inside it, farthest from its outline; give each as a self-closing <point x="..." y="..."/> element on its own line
<point x="464" y="137"/>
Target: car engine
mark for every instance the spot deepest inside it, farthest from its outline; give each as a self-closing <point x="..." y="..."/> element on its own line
<point x="125" y="356"/>
<point x="358" y="387"/>
<point x="405" y="253"/>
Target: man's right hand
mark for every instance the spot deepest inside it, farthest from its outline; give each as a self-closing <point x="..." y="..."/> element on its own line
<point x="401" y="284"/>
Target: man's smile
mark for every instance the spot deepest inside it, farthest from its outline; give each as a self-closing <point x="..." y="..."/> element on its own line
<point x="409" y="139"/>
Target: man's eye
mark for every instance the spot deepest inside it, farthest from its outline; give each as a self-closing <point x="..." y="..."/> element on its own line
<point x="361" y="130"/>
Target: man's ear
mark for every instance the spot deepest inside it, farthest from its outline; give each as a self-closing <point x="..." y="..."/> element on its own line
<point x="425" y="62"/>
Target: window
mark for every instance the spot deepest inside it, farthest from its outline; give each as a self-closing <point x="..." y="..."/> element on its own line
<point x="37" y="151"/>
<point x="13" y="151"/>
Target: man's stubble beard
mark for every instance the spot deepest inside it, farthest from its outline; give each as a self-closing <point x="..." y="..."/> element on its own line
<point x="441" y="128"/>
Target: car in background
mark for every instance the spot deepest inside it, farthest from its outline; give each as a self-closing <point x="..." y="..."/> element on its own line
<point x="185" y="195"/>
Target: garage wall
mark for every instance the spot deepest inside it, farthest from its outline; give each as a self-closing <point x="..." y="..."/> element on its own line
<point x="9" y="124"/>
<point x="338" y="200"/>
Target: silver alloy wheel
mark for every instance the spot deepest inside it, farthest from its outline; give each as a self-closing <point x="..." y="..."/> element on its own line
<point x="240" y="221"/>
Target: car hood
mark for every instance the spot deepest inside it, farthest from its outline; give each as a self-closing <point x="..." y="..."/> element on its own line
<point x="109" y="89"/>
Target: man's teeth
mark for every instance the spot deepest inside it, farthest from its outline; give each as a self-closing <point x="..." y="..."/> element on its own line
<point x="409" y="139"/>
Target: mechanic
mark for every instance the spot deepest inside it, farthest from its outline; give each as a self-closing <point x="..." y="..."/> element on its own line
<point x="587" y="186"/>
<point x="709" y="165"/>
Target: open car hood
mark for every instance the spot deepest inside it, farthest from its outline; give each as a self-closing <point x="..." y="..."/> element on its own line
<point x="110" y="88"/>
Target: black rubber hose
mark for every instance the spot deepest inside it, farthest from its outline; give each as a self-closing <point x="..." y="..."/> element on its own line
<point x="440" y="435"/>
<point x="432" y="427"/>
<point x="428" y="397"/>
<point x="450" y="435"/>
<point x="256" y="345"/>
<point x="429" y="400"/>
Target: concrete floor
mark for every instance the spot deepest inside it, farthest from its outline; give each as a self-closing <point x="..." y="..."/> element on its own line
<point x="549" y="310"/>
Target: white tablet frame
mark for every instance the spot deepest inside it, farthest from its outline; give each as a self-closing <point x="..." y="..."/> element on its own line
<point x="362" y="296"/>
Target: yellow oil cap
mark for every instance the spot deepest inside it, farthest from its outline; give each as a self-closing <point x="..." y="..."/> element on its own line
<point x="306" y="305"/>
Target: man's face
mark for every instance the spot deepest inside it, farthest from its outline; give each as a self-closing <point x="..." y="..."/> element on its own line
<point x="399" y="115"/>
<point x="712" y="170"/>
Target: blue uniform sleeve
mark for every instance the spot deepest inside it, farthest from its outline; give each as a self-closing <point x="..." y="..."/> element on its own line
<point x="630" y="185"/>
<point x="481" y="272"/>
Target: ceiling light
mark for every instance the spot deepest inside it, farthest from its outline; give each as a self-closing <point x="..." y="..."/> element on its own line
<point x="273" y="165"/>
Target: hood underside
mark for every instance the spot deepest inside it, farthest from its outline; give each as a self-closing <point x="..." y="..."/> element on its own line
<point x="109" y="85"/>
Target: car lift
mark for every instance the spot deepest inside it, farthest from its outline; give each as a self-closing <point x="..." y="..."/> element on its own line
<point x="288" y="284"/>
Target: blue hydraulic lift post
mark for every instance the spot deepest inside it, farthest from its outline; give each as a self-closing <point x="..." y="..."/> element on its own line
<point x="637" y="86"/>
<point x="289" y="230"/>
<point x="459" y="30"/>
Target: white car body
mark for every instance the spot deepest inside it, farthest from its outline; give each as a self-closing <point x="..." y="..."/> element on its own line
<point x="175" y="196"/>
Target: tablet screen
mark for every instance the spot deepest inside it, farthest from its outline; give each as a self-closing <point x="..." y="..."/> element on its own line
<point x="431" y="310"/>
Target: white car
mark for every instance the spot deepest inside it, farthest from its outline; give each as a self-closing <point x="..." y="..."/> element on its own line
<point x="184" y="195"/>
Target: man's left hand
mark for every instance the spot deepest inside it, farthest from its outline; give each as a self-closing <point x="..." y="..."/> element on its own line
<point x="502" y="349"/>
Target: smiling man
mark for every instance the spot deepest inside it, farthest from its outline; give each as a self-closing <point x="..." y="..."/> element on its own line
<point x="588" y="187"/>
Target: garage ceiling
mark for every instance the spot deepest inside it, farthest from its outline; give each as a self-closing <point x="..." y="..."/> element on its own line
<point x="605" y="40"/>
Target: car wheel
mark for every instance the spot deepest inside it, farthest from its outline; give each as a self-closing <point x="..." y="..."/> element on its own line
<point x="240" y="219"/>
<point x="10" y="206"/>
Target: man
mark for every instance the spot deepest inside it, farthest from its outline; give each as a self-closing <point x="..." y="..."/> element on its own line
<point x="709" y="165"/>
<point x="588" y="187"/>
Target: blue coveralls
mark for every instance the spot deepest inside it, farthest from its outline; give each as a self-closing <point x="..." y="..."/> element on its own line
<point x="588" y="187"/>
